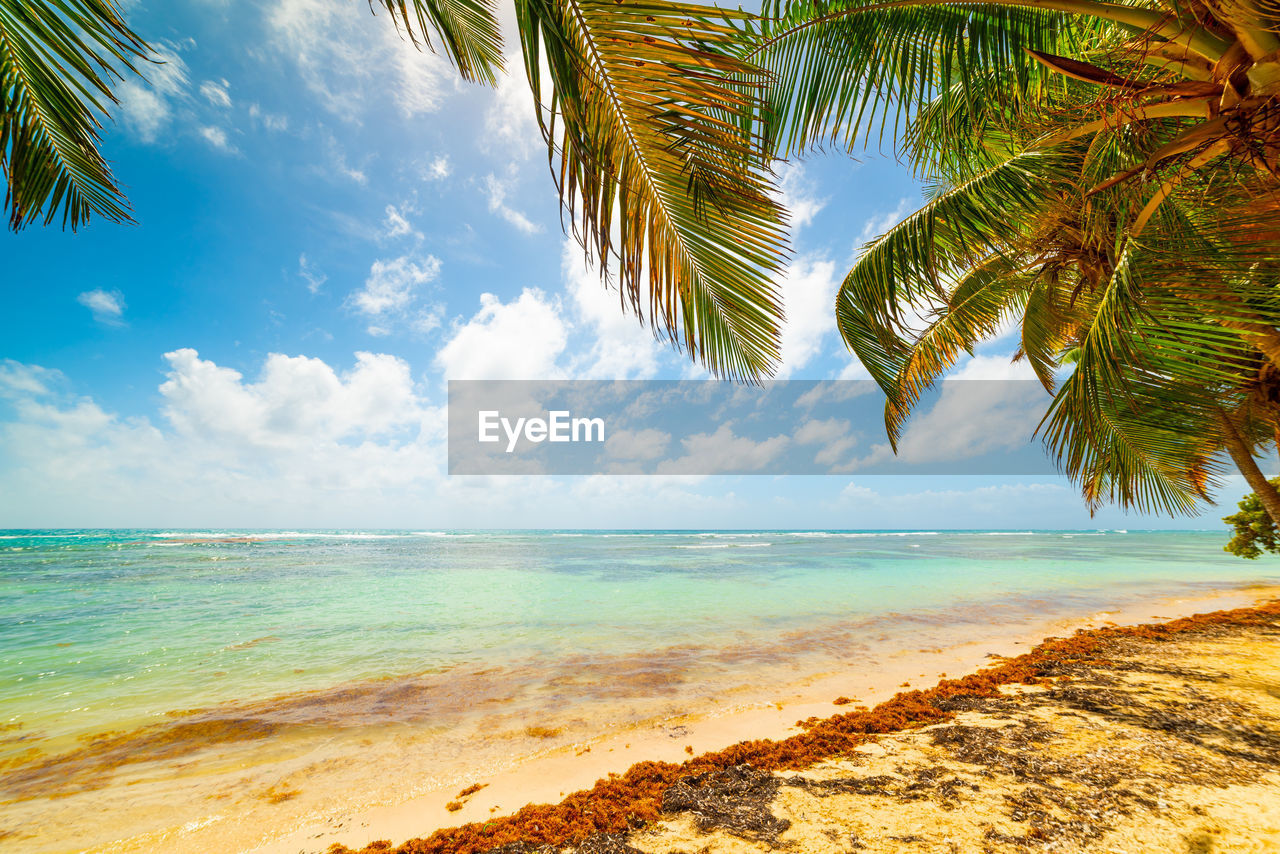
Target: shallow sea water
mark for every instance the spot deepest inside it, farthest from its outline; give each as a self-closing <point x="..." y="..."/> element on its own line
<point x="167" y="678"/>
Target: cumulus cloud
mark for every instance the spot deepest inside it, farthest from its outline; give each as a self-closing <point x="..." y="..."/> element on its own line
<point x="295" y="441"/>
<point x="833" y="436"/>
<point x="107" y="306"/>
<point x="725" y="451"/>
<point x="295" y="399"/>
<point x="636" y="445"/>
<point x="809" y="296"/>
<point x="517" y="340"/>
<point x="300" y="439"/>
<point x="621" y="347"/>
<point x="998" y="409"/>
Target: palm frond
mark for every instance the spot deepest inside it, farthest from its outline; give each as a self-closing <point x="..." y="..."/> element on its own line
<point x="1122" y="428"/>
<point x="468" y="31"/>
<point x="660" y="181"/>
<point x="58" y="59"/>
<point x="960" y="227"/>
<point x="977" y="306"/>
<point x="843" y="71"/>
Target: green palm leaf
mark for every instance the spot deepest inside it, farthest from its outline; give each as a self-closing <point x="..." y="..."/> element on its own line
<point x="844" y="70"/>
<point x="468" y="30"/>
<point x="657" y="177"/>
<point x="979" y="303"/>
<point x="58" y="59"/>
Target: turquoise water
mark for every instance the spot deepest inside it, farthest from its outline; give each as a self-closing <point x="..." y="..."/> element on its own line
<point x="152" y="682"/>
<point x="110" y="628"/>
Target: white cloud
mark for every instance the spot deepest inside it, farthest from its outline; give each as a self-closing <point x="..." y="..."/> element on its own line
<point x="346" y="57"/>
<point x="798" y="195"/>
<point x="646" y="444"/>
<point x="271" y="121"/>
<point x="519" y="340"/>
<point x="834" y="435"/>
<point x="999" y="367"/>
<point x="972" y="418"/>
<point x="338" y="160"/>
<point x="391" y="285"/>
<point x="854" y="370"/>
<point x="723" y="451"/>
<point x="313" y="277"/>
<point x="622" y="348"/>
<point x="428" y="319"/>
<point x="300" y="442"/>
<point x="878" y="225"/>
<point x="217" y="137"/>
<point x="511" y="119"/>
<point x="809" y="297"/>
<point x="438" y="169"/>
<point x="145" y="104"/>
<point x="107" y="306"/>
<point x="296" y="442"/>
<point x="215" y="92"/>
<point x="397" y="223"/>
<point x="17" y="379"/>
<point x="296" y="399"/>
<point x="497" y="193"/>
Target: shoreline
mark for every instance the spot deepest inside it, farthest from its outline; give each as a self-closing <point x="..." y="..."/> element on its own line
<point x="548" y="777"/>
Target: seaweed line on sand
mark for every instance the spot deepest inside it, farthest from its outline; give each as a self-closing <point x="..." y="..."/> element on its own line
<point x="596" y="819"/>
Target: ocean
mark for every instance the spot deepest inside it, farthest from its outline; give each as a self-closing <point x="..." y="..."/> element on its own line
<point x="167" y="678"/>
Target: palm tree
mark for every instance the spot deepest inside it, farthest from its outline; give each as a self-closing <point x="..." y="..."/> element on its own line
<point x="1121" y="203"/>
<point x="660" y="179"/>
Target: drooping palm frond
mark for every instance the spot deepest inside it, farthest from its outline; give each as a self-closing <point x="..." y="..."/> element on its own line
<point x="58" y="60"/>
<point x="845" y="71"/>
<point x="1129" y="424"/>
<point x="468" y="31"/>
<point x="1048" y="326"/>
<point x="660" y="181"/>
<point x="957" y="229"/>
<point x="976" y="308"/>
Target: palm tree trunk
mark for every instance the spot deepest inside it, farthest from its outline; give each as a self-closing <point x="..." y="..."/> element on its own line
<point x="1242" y="456"/>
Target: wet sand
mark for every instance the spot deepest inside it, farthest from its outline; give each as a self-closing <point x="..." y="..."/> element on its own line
<point x="548" y="778"/>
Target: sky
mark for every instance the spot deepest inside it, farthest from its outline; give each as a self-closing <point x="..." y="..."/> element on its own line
<point x="330" y="226"/>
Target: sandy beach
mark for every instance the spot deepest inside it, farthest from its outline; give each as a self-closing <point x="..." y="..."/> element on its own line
<point x="834" y="824"/>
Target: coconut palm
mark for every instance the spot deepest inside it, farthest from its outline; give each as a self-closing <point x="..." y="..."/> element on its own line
<point x="660" y="180"/>
<point x="1104" y="174"/>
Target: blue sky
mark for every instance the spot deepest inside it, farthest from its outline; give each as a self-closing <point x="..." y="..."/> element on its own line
<point x="330" y="226"/>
